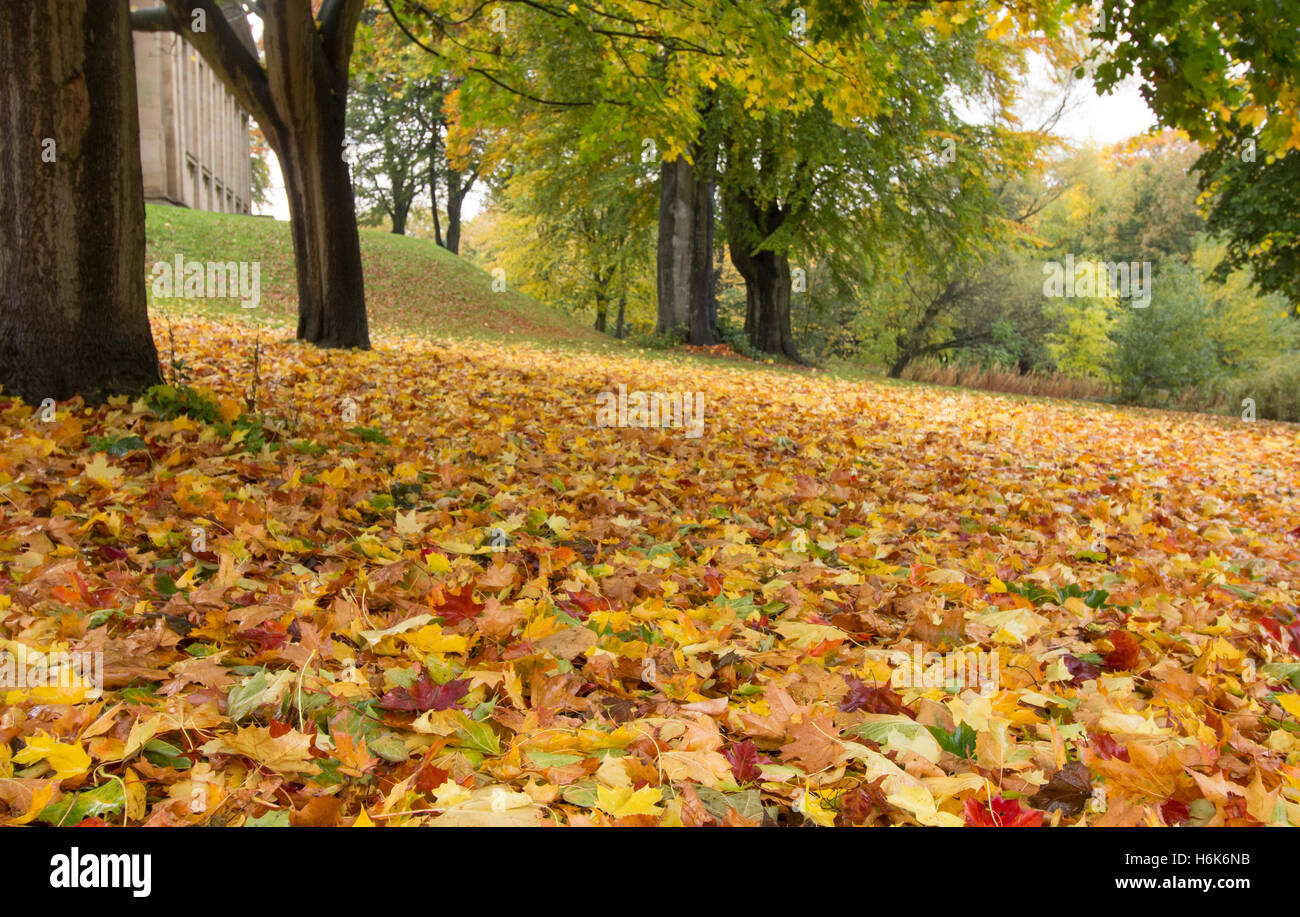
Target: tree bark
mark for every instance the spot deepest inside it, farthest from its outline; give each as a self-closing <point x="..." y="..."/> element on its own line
<point x="457" y="189"/>
<point x="300" y="100"/>
<point x="454" y="198"/>
<point x="684" y="268"/>
<point x="73" y="318"/>
<point x="766" y="274"/>
<point x="434" y="158"/>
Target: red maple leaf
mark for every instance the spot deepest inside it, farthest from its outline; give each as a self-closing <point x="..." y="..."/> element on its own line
<point x="1105" y="746"/>
<point x="580" y="605"/>
<point x="1003" y="813"/>
<point x="428" y="778"/>
<point x="872" y="698"/>
<point x="1126" y="652"/>
<point x="1174" y="812"/>
<point x="425" y="695"/>
<point x="459" y="606"/>
<point x="745" y="761"/>
<point x="269" y="636"/>
<point x="1079" y="670"/>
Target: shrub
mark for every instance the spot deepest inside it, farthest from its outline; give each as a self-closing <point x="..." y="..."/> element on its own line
<point x="1275" y="387"/>
<point x="1165" y="348"/>
<point x="171" y="401"/>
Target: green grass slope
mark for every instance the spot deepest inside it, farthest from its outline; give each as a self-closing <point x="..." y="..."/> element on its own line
<point x="411" y="284"/>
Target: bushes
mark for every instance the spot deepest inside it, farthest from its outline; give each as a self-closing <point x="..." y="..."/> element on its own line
<point x="1275" y="387"/>
<point x="1165" y="348"/>
<point x="995" y="379"/>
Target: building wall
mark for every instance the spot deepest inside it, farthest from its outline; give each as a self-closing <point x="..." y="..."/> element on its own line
<point x="194" y="137"/>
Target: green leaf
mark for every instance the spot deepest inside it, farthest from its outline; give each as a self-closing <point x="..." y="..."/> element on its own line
<point x="106" y="799"/>
<point x="273" y="818"/>
<point x="960" y="742"/>
<point x="388" y="745"/>
<point x="538" y="758"/>
<point x="479" y="737"/>
<point x="244" y="698"/>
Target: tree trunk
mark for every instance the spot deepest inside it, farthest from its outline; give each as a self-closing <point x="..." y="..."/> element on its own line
<point x="435" y="145"/>
<point x="400" y="212"/>
<point x="322" y="210"/>
<point x="326" y="245"/>
<point x="602" y="311"/>
<point x="767" y="301"/>
<point x="620" y="329"/>
<point x="299" y="98"/>
<point x="73" y="318"/>
<point x="766" y="274"/>
<point x="455" y="196"/>
<point x="685" y="251"/>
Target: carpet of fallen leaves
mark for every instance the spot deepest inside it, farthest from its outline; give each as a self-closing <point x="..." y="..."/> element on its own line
<point x="423" y="587"/>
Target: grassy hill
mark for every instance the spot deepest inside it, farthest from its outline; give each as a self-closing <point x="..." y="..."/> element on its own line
<point x="411" y="284"/>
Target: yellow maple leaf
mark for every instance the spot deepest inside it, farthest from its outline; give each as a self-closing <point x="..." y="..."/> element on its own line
<point x="67" y="759"/>
<point x="408" y="525"/>
<point x="626" y="801"/>
<point x="102" y="473"/>
<point x="335" y="477"/>
<point x="812" y="804"/>
<point x="1290" y="703"/>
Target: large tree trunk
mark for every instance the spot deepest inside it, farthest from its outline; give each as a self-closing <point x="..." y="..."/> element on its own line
<point x="72" y="273"/>
<point x="299" y="99"/>
<point x="766" y="274"/>
<point x="767" y="301"/>
<point x="326" y="245"/>
<point x="684" y="257"/>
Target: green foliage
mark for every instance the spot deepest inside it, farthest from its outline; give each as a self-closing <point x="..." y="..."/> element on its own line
<point x="115" y="445"/>
<point x="1274" y="387"/>
<point x="1226" y="73"/>
<point x="1165" y="348"/>
<point x="733" y="336"/>
<point x="1256" y="208"/>
<point x="1209" y="69"/>
<point x="170" y="402"/>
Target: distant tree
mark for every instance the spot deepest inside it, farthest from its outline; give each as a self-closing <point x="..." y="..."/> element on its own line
<point x="390" y="141"/>
<point x="259" y="168"/>
<point x="1166" y="348"/>
<point x="1227" y="73"/>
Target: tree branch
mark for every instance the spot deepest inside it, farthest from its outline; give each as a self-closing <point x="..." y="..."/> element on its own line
<point x="223" y="51"/>
<point x="338" y="29"/>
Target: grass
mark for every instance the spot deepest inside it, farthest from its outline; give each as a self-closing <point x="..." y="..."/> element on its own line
<point x="412" y="284"/>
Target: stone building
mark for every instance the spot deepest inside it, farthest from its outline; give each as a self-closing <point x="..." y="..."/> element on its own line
<point x="194" y="137"/>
